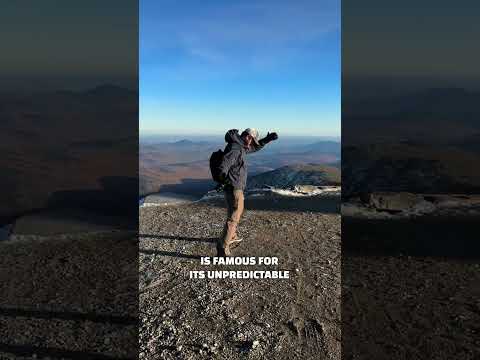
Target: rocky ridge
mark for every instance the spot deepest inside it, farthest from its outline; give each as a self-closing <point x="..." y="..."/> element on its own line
<point x="385" y="205"/>
<point x="292" y="175"/>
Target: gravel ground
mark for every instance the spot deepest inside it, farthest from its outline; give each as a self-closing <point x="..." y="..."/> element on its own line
<point x="184" y="318"/>
<point x="69" y="297"/>
<point x="402" y="307"/>
<point x="410" y="288"/>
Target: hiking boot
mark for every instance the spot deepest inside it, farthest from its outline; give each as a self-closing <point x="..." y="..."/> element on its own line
<point x="235" y="242"/>
<point x="236" y="239"/>
<point x="223" y="250"/>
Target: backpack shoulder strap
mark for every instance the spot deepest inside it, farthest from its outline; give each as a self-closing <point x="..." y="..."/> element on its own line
<point x="234" y="146"/>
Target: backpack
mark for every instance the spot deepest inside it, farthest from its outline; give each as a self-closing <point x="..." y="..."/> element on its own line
<point x="215" y="161"/>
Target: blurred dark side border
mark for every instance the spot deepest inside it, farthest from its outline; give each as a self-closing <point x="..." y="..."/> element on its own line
<point x="410" y="180"/>
<point x="69" y="179"/>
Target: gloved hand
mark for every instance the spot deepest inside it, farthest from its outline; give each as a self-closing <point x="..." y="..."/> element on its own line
<point x="271" y="136"/>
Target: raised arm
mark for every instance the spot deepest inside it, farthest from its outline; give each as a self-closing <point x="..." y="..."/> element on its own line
<point x="270" y="137"/>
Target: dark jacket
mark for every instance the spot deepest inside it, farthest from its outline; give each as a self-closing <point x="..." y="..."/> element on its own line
<point x="234" y="166"/>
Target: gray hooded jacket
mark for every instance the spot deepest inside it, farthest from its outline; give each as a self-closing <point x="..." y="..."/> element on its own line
<point x="234" y="166"/>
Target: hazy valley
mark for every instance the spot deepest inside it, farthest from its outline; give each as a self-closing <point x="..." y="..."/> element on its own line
<point x="182" y="166"/>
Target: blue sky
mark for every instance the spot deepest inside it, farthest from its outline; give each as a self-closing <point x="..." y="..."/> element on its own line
<point x="208" y="66"/>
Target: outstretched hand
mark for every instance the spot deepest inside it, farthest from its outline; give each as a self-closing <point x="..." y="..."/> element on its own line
<point x="272" y="136"/>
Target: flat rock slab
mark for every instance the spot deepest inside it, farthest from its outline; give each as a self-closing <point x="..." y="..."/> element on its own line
<point x="167" y="199"/>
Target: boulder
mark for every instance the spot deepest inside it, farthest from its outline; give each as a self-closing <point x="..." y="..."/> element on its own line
<point x="307" y="189"/>
<point x="394" y="201"/>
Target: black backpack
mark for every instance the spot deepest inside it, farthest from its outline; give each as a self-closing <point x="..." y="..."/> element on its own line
<point x="215" y="162"/>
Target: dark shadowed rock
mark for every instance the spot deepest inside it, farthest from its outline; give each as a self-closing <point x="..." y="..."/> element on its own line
<point x="393" y="201"/>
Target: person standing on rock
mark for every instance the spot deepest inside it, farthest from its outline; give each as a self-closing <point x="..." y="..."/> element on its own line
<point x="233" y="173"/>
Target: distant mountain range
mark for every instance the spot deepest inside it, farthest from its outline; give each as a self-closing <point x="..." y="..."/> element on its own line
<point x="67" y="116"/>
<point x="424" y="142"/>
<point x="182" y="166"/>
<point x="48" y="146"/>
<point x="329" y="147"/>
<point x="289" y="176"/>
<point x="185" y="142"/>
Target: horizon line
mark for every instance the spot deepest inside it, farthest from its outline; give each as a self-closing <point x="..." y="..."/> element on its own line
<point x="222" y="133"/>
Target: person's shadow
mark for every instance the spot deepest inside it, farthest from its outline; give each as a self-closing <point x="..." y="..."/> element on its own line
<point x="211" y="240"/>
<point x="115" y="203"/>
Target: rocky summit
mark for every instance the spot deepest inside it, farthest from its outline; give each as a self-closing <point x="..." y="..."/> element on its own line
<point x="184" y="317"/>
